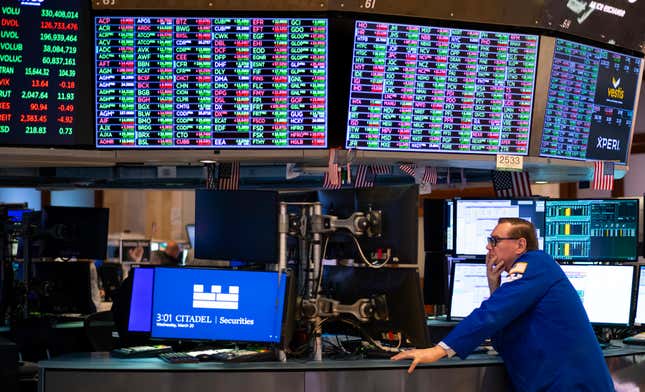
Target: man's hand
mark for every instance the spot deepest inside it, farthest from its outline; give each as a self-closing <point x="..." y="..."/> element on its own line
<point x="427" y="355"/>
<point x="494" y="268"/>
<point x="136" y="254"/>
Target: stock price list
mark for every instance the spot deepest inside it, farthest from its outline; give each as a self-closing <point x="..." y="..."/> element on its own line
<point x="39" y="59"/>
<point x="590" y="105"/>
<point x="432" y="89"/>
<point x="174" y="82"/>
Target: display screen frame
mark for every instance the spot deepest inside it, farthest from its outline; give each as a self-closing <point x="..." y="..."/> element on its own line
<point x="129" y="13"/>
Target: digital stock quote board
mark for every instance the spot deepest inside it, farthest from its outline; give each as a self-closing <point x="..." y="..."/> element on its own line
<point x="210" y="82"/>
<point x="44" y="86"/>
<point x="590" y="106"/>
<point x="437" y="89"/>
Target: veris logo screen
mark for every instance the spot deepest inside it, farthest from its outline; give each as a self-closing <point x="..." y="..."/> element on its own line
<point x="590" y="106"/>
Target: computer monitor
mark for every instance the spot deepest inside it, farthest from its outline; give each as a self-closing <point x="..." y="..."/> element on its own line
<point x="468" y="288"/>
<point x="15" y="214"/>
<point x="404" y="299"/>
<point x="205" y="82"/>
<point x="420" y="88"/>
<point x="61" y="287"/>
<point x="592" y="229"/>
<point x="128" y="247"/>
<point x="190" y="233"/>
<point x="399" y="205"/>
<point x="140" y="314"/>
<point x="605" y="291"/>
<point x="223" y="305"/>
<point x="475" y="219"/>
<point x="639" y="314"/>
<point x="237" y="225"/>
<point x="73" y="232"/>
<point x="590" y="108"/>
<point x="437" y="225"/>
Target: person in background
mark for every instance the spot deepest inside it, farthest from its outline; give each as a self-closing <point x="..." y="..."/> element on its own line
<point x="168" y="257"/>
<point x="536" y="320"/>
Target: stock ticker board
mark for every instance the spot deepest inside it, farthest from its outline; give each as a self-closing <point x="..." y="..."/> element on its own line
<point x="435" y="89"/>
<point x="590" y="106"/>
<point x="205" y="82"/>
<point x="41" y="76"/>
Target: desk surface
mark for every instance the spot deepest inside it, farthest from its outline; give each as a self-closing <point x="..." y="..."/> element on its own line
<point x="103" y="361"/>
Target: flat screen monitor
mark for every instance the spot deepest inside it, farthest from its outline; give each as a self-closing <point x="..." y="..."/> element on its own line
<point x="221" y="305"/>
<point x="437" y="225"/>
<point x="190" y="232"/>
<point x="129" y="252"/>
<point x="400" y="214"/>
<point x="140" y="314"/>
<point x="468" y="288"/>
<point x="438" y="89"/>
<point x="592" y="229"/>
<point x="237" y="225"/>
<point x="210" y="82"/>
<point x="475" y="220"/>
<point x="74" y="232"/>
<point x="61" y="287"/>
<point x="44" y="80"/>
<point x="590" y="107"/>
<point x="15" y="215"/>
<point x="639" y="317"/>
<point x="605" y="291"/>
<point x="402" y="290"/>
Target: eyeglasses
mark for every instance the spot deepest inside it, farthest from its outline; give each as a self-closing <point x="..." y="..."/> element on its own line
<point x="492" y="241"/>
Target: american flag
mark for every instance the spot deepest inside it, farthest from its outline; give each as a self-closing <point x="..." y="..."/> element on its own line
<point x="364" y="177"/>
<point x="328" y="183"/>
<point x="229" y="176"/>
<point x="408" y="168"/>
<point x="380" y="168"/>
<point x="511" y="184"/>
<point x="603" y="176"/>
<point x="429" y="175"/>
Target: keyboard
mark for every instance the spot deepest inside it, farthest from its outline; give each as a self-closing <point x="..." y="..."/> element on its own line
<point x="141" y="351"/>
<point x="230" y="355"/>
<point x="178" y="357"/>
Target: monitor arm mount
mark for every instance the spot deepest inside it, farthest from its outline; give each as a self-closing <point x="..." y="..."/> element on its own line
<point x="309" y="227"/>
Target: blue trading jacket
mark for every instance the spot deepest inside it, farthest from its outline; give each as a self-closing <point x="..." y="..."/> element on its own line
<point x="540" y="328"/>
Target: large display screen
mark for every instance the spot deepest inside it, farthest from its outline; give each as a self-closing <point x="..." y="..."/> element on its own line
<point x="206" y="82"/>
<point x="590" y="106"/>
<point x="44" y="82"/>
<point x="476" y="219"/>
<point x="592" y="230"/>
<point x="436" y="89"/>
<point x="190" y="303"/>
<point x="605" y="291"/>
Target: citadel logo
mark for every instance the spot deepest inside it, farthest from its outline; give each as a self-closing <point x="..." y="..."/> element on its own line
<point x="615" y="91"/>
<point x="216" y="299"/>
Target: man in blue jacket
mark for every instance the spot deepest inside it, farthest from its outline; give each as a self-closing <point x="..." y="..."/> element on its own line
<point x="536" y="320"/>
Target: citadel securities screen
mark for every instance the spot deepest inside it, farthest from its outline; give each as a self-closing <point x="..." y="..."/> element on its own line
<point x="174" y="82"/>
<point x="43" y="84"/>
<point x="432" y="89"/>
<point x="590" y="106"/>
<point x="217" y="304"/>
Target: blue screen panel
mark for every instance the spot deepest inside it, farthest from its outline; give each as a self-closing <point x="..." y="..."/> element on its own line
<point x="218" y="305"/>
<point x="141" y="302"/>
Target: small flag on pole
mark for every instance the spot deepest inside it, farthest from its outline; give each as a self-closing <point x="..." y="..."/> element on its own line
<point x="364" y="177"/>
<point x="603" y="176"/>
<point x="408" y="168"/>
<point x="229" y="176"/>
<point x="211" y="172"/>
<point x="429" y="175"/>
<point x="511" y="184"/>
